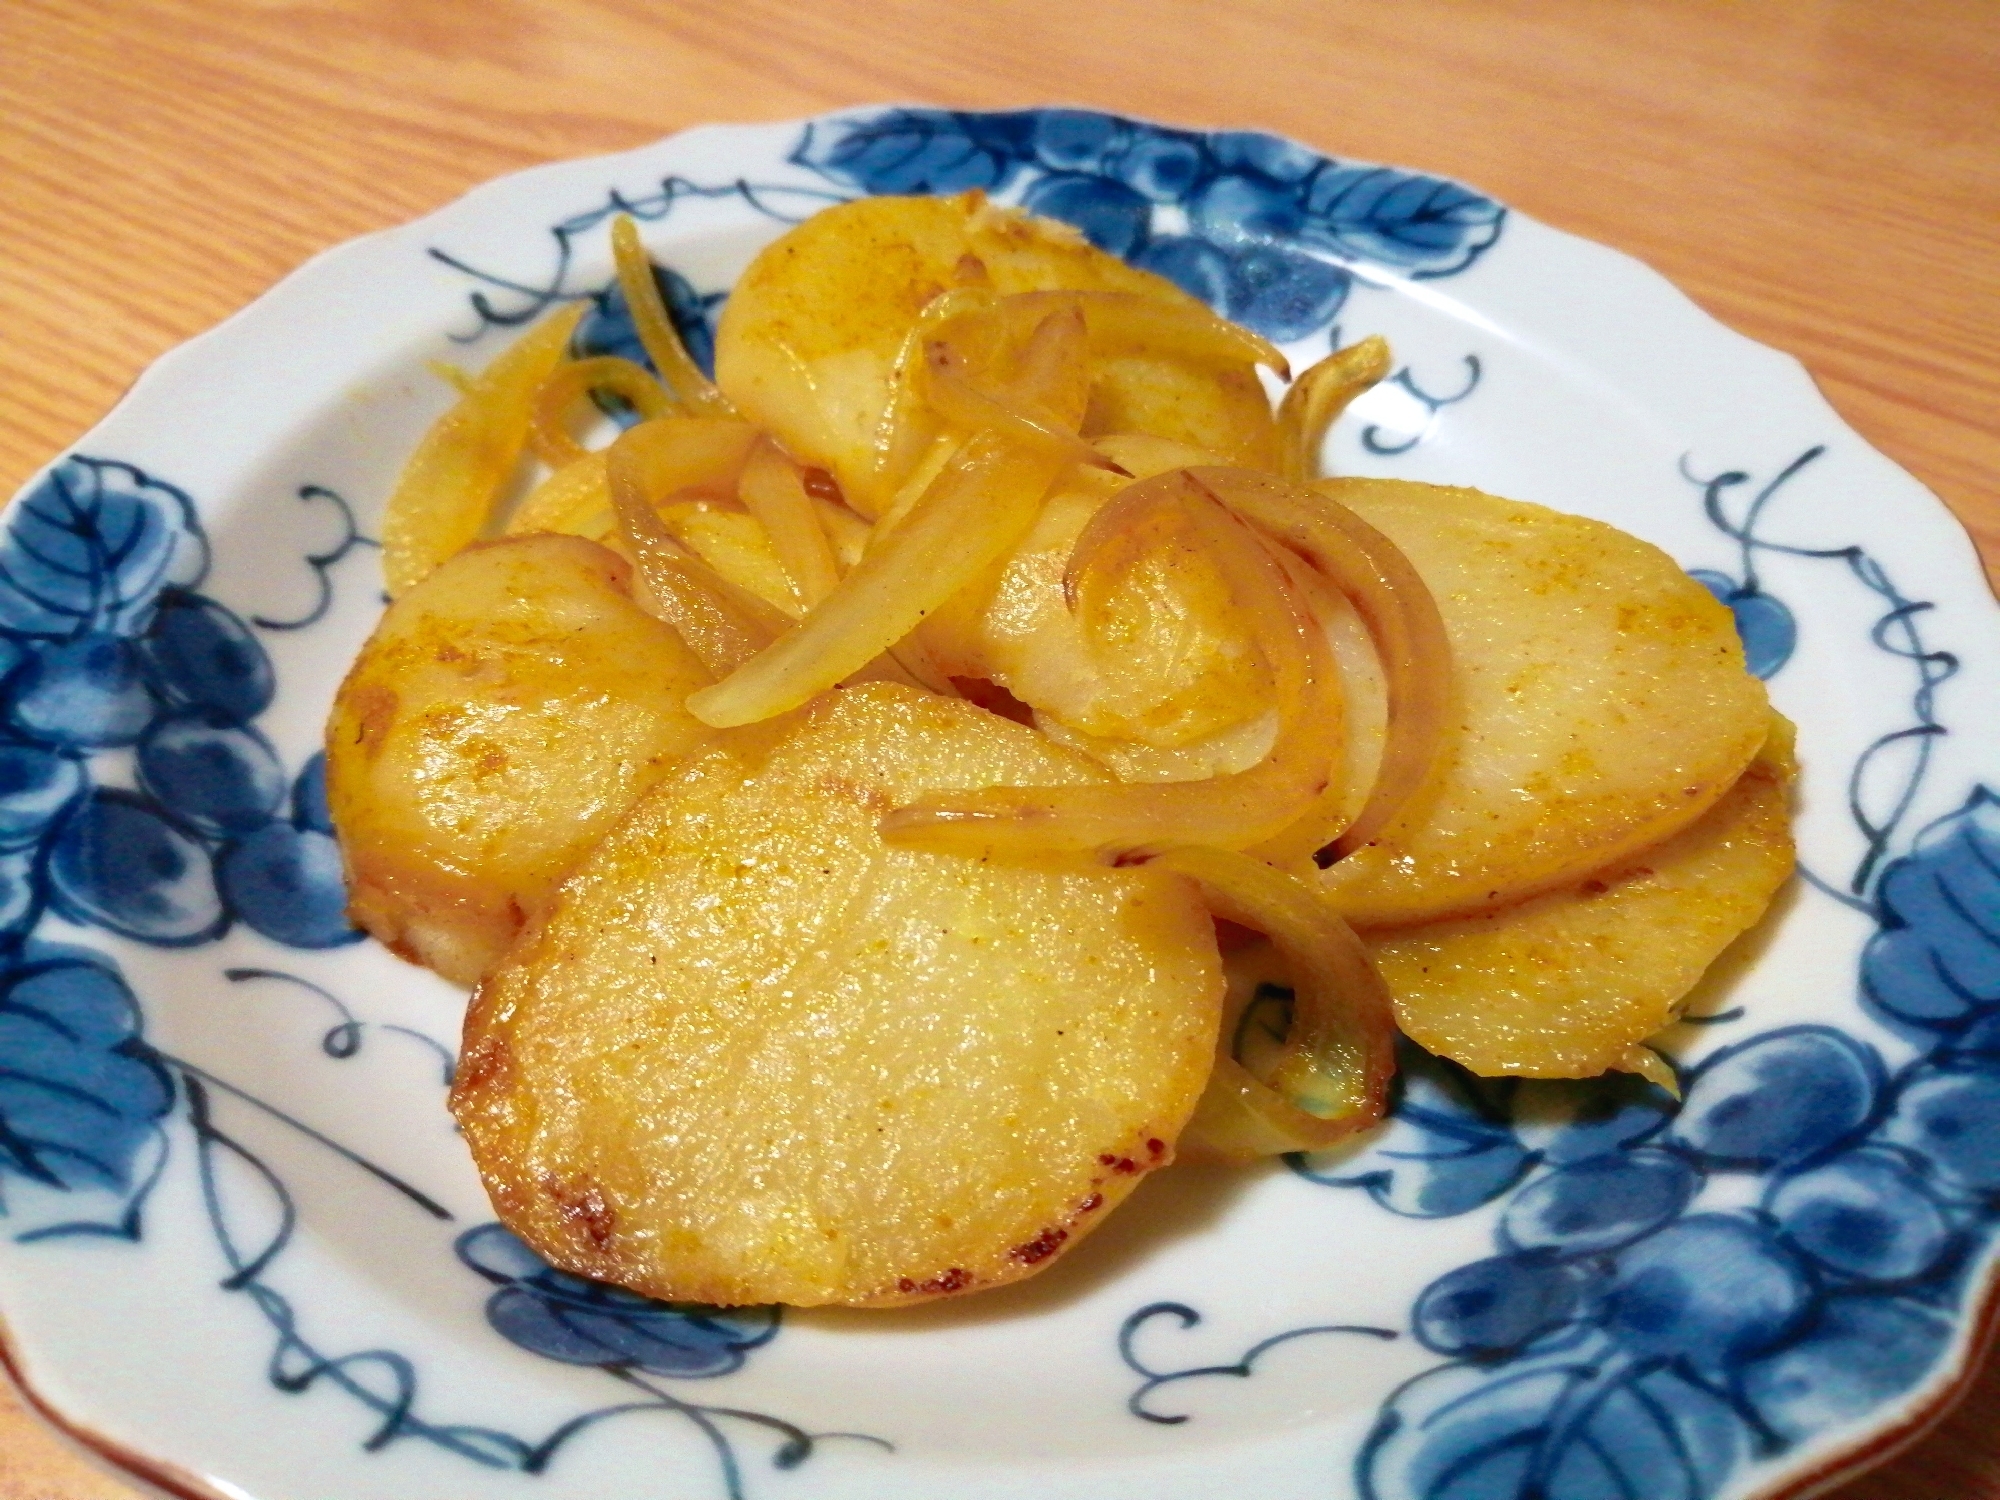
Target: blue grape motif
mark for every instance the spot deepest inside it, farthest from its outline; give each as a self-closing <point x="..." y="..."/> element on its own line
<point x="1599" y="1204"/>
<point x="1494" y="1308"/>
<point x="1711" y="1290"/>
<point x="1763" y="623"/>
<point x="219" y="777"/>
<point x="86" y="693"/>
<point x="1866" y="1216"/>
<point x="107" y="642"/>
<point x="1629" y="1337"/>
<point x="286" y="882"/>
<point x="80" y="1092"/>
<point x="200" y="655"/>
<point x="120" y="862"/>
<point x="1779" y="1099"/>
<point x="36" y="784"/>
<point x="1274" y="232"/>
<point x="309" y="806"/>
<point x="1945" y="1114"/>
<point x="564" y="1317"/>
<point x="1860" y="1353"/>
<point x="1934" y="967"/>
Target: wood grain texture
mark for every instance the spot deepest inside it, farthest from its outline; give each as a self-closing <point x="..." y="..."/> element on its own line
<point x="1822" y="174"/>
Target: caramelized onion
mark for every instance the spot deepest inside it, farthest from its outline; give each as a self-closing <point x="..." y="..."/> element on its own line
<point x="978" y="507"/>
<point x="773" y="490"/>
<point x="655" y="326"/>
<point x="907" y="429"/>
<point x="1393" y="602"/>
<point x="448" y="489"/>
<point x="1332" y="1073"/>
<point x="1052" y="372"/>
<point x="722" y="624"/>
<point x="1318" y="397"/>
<point x="1131" y="321"/>
<point x="964" y="405"/>
<point x="575" y="500"/>
<point x="548" y="427"/>
<point x="1121" y="822"/>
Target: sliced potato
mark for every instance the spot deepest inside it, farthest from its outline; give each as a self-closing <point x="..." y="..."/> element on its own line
<point x="735" y="544"/>
<point x="1564" y="985"/>
<point x="506" y="711"/>
<point x="1169" y="665"/>
<point x="812" y="338"/>
<point x="1603" y="705"/>
<point x="755" y="1055"/>
<point x="1223" y="411"/>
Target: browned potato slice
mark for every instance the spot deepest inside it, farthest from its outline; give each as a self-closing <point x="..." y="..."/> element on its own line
<point x="1562" y="986"/>
<point x="1223" y="411"/>
<point x="1602" y="705"/>
<point x="756" y="1055"/>
<point x="506" y="711"/>
<point x="1178" y="666"/>
<point x="810" y="338"/>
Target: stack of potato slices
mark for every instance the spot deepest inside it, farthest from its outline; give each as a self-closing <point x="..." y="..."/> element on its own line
<point x="851" y="789"/>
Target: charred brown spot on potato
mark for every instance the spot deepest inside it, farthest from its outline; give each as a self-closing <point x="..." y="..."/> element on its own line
<point x="1041" y="1247"/>
<point x="580" y="1204"/>
<point x="957" y="1279"/>
<point x="373" y="708"/>
<point x="487" y="1066"/>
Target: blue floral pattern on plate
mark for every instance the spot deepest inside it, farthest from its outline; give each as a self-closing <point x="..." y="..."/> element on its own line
<point x="1274" y="234"/>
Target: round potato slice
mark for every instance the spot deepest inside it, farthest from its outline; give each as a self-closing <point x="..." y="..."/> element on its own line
<point x="1602" y="705"/>
<point x="753" y="1054"/>
<point x="812" y="338"/>
<point x="1172" y="662"/>
<point x="506" y="711"/>
<point x="1564" y="985"/>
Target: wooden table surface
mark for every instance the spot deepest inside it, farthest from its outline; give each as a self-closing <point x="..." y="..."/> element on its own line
<point x="1822" y="174"/>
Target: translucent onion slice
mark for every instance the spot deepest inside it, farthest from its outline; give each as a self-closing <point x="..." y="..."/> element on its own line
<point x="1393" y="602"/>
<point x="655" y="326"/>
<point x="1649" y="1065"/>
<point x="773" y="490"/>
<point x="452" y="482"/>
<point x="451" y="375"/>
<point x="1124" y="822"/>
<point x="1131" y="321"/>
<point x="1052" y="372"/>
<point x="575" y="501"/>
<point x="1332" y="1074"/>
<point x="723" y="625"/>
<point x="907" y="429"/>
<point x="980" y="506"/>
<point x="1318" y="397"/>
<point x="962" y="404"/>
<point x="548" y="427"/>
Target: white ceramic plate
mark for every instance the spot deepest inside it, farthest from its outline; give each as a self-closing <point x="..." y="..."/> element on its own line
<point x="245" y="1253"/>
